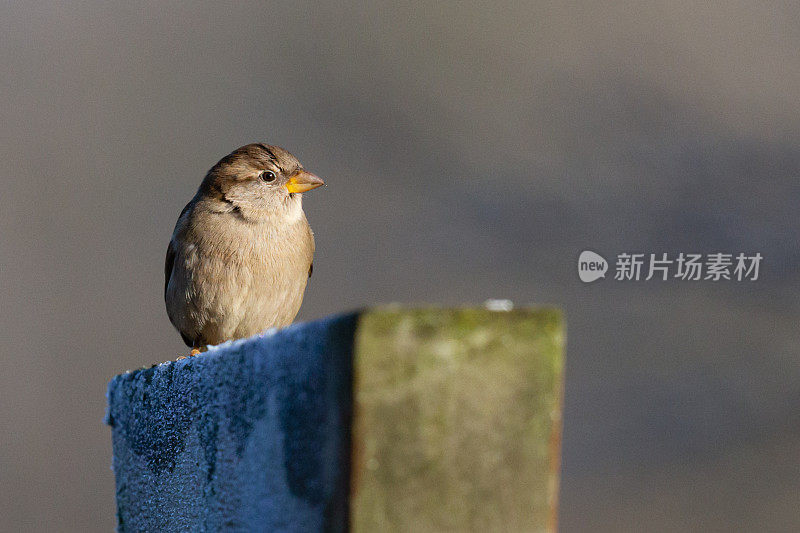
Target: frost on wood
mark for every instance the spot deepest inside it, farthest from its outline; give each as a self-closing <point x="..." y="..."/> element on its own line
<point x="250" y="436"/>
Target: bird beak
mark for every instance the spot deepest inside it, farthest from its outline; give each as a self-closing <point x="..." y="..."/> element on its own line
<point x="302" y="181"/>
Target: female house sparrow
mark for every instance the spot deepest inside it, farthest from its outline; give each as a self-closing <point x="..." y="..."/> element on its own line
<point x="242" y="249"/>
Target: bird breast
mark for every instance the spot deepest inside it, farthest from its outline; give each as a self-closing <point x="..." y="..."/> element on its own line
<point x="239" y="277"/>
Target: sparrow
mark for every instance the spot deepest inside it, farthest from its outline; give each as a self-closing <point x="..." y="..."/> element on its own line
<point x="242" y="250"/>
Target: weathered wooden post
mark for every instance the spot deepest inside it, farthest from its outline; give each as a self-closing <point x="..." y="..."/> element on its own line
<point x="384" y="420"/>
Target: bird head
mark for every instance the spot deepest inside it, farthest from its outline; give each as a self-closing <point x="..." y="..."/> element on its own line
<point x="258" y="180"/>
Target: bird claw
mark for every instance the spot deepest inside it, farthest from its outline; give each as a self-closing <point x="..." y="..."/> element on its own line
<point x="194" y="352"/>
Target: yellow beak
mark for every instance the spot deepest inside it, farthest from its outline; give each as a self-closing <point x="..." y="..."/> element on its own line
<point x="302" y="181"/>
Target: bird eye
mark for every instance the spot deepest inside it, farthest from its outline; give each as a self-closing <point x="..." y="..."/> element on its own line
<point x="268" y="176"/>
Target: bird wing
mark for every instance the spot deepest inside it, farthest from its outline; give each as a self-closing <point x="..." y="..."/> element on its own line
<point x="168" y="266"/>
<point x="191" y="343"/>
<point x="313" y="247"/>
<point x="171" y="250"/>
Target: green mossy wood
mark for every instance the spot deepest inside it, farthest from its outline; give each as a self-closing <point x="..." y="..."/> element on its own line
<point x="457" y="420"/>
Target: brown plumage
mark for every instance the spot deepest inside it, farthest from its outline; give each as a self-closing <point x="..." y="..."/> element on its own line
<point x="242" y="250"/>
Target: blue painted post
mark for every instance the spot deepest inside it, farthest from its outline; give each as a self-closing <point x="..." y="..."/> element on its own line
<point x="253" y="435"/>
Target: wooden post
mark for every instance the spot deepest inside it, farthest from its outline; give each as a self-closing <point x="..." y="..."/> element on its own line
<point x="451" y="420"/>
<point x="458" y="420"/>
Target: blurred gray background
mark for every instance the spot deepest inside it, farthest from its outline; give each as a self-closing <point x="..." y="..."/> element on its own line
<point x="472" y="150"/>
